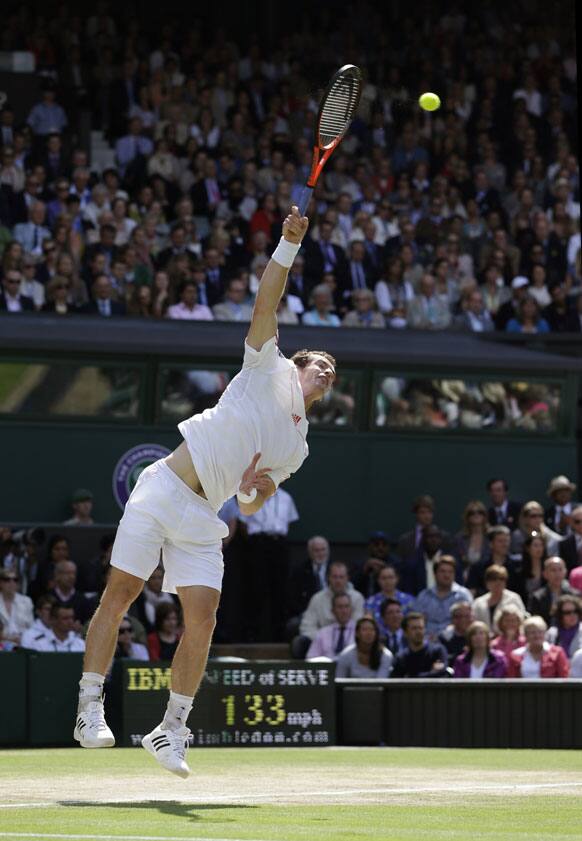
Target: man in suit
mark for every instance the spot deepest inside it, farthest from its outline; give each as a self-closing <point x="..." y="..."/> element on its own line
<point x="360" y="274"/>
<point x="423" y="509"/>
<point x="307" y="579"/>
<point x="123" y="94"/>
<point x="298" y="284"/>
<point x="177" y="247"/>
<point x="103" y="303"/>
<point x="233" y="308"/>
<point x="10" y="298"/>
<point x="571" y="547"/>
<point x="502" y="511"/>
<point x="205" y="193"/>
<point x="215" y="276"/>
<point x="23" y="201"/>
<point x="427" y="310"/>
<point x="56" y="163"/>
<point x="417" y="569"/>
<point x="323" y="256"/>
<point x="331" y="640"/>
<point x="557" y="516"/>
<point x="543" y="602"/>
<point x="32" y="233"/>
<point x="475" y="318"/>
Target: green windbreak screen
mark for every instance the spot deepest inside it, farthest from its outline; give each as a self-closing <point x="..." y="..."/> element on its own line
<point x="69" y="390"/>
<point x="416" y="403"/>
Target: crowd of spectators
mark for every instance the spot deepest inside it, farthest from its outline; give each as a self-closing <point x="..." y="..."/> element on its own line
<point x="500" y="598"/>
<point x="465" y="219"/>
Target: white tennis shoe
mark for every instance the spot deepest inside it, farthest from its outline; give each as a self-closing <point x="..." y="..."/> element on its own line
<point x="169" y="748"/>
<point x="91" y="730"/>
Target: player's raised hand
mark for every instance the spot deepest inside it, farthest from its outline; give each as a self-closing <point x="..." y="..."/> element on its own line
<point x="295" y="226"/>
<point x="253" y="478"/>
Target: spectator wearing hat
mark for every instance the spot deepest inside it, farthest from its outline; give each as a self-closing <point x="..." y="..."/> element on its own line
<point x="571" y="547"/>
<point x="558" y="516"/>
<point x="510" y="309"/>
<point x="502" y="511"/>
<point x="82" y="505"/>
<point x="568" y="629"/>
<point x="435" y="602"/>
<point x="364" y="574"/>
<point x="538" y="658"/>
<point x="543" y="602"/>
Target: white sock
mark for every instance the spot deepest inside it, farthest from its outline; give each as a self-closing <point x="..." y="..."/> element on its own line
<point x="91" y="686"/>
<point x="177" y="711"/>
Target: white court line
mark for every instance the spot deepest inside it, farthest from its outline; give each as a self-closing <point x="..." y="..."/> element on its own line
<point x="121" y="837"/>
<point x="291" y="795"/>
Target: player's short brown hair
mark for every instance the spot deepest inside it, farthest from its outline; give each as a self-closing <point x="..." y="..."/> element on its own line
<point x="302" y="357"/>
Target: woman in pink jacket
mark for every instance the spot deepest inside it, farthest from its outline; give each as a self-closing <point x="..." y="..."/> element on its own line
<point x="537" y="658"/>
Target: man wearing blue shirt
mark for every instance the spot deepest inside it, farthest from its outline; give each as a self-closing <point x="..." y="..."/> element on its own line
<point x="436" y="602"/>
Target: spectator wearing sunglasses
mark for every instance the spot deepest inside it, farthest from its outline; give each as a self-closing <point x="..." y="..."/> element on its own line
<point x="567" y="632"/>
<point x="126" y="647"/>
<point x="10" y="298"/>
<point x="57" y="296"/>
<point x="531" y="519"/>
<point x="16" y="610"/>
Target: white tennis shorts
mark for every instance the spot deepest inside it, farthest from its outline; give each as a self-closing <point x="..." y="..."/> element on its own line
<point x="164" y="513"/>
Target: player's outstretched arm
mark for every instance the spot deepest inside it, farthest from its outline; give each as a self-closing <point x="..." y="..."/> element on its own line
<point x="272" y="285"/>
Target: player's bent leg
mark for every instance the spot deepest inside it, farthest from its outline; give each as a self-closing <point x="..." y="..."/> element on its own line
<point x="168" y="742"/>
<point x="91" y="729"/>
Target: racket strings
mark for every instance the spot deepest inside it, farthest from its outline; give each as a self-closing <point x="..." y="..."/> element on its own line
<point x="338" y="109"/>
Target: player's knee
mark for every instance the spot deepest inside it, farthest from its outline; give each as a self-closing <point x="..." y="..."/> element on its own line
<point x="119" y="595"/>
<point x="199" y="622"/>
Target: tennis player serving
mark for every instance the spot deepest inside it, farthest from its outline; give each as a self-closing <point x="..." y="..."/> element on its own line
<point x="247" y="444"/>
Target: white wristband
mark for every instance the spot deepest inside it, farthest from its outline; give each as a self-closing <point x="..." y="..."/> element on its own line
<point x="247" y="498"/>
<point x="285" y="252"/>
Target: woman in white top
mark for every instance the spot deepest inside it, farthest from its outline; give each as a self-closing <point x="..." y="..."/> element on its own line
<point x="367" y="657"/>
<point x="537" y="288"/>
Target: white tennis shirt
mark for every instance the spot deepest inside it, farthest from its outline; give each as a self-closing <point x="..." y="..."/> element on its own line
<point x="261" y="411"/>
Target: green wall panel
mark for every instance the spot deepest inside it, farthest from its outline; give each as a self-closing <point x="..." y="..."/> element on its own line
<point x="13" y="730"/>
<point x="350" y="485"/>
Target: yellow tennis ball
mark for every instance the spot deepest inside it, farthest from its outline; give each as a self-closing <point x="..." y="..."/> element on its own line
<point x="429" y="101"/>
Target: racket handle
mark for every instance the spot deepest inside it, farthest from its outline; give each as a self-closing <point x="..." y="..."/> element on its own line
<point x="304" y="200"/>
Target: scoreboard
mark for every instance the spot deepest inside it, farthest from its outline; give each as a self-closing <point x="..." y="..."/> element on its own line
<point x="254" y="703"/>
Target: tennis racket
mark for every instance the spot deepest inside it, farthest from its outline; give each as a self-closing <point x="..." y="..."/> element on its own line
<point x="336" y="112"/>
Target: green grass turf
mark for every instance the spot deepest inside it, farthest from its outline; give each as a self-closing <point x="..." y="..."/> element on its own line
<point x="10" y="375"/>
<point x="540" y="815"/>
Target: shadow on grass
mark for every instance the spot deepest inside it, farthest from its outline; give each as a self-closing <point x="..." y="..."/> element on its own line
<point x="165" y="807"/>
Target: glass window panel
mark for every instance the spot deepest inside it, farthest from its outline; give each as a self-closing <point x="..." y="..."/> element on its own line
<point x="416" y="403"/>
<point x="337" y="408"/>
<point x="188" y="391"/>
<point x="68" y="390"/>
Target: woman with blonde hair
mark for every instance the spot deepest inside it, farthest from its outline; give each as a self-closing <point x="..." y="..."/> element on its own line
<point x="537" y="658"/>
<point x="508" y="621"/>
<point x="67" y="269"/>
<point x="472" y="546"/>
<point x="531" y="518"/>
<point x="480" y="660"/>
